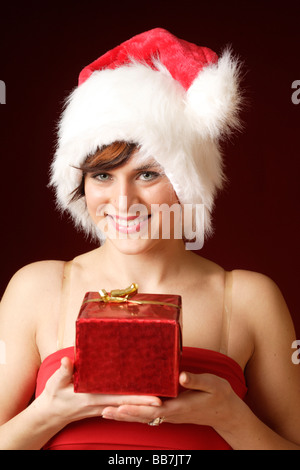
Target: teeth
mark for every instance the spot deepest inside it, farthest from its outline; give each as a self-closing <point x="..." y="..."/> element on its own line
<point x="130" y="223"/>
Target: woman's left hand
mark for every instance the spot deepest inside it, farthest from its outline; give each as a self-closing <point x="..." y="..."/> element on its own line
<point x="208" y="400"/>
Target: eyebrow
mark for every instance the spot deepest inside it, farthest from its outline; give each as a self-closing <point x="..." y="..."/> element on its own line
<point x="149" y="166"/>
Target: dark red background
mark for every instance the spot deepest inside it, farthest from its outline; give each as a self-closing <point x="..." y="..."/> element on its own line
<point x="43" y="48"/>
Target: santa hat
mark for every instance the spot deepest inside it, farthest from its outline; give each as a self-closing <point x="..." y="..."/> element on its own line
<point x="175" y="99"/>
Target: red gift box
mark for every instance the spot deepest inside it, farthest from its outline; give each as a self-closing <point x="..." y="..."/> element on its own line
<point x="128" y="346"/>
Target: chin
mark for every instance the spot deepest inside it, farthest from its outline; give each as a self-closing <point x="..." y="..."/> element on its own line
<point x="133" y="247"/>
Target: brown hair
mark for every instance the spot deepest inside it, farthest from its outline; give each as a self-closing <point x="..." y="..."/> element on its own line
<point x="105" y="158"/>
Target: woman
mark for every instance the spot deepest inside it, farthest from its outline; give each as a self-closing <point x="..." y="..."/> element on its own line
<point x="141" y="132"/>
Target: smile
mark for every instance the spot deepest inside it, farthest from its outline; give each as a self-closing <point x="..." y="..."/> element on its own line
<point x="129" y="224"/>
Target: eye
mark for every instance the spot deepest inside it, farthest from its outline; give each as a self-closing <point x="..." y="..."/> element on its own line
<point x="149" y="175"/>
<point x="101" y="176"/>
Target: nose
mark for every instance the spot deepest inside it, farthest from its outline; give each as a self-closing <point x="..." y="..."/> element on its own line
<point x="124" y="194"/>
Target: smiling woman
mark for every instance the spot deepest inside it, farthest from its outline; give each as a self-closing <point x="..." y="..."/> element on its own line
<point x="125" y="195"/>
<point x="143" y="130"/>
<point x="168" y="219"/>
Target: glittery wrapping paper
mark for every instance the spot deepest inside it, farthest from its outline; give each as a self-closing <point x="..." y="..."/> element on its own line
<point x="127" y="348"/>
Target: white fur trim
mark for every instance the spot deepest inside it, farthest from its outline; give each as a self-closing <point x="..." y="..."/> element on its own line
<point x="138" y="104"/>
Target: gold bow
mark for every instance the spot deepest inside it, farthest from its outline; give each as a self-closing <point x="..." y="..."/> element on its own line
<point x="123" y="295"/>
<point x="118" y="295"/>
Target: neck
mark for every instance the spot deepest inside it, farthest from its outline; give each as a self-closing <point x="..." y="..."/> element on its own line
<point x="148" y="269"/>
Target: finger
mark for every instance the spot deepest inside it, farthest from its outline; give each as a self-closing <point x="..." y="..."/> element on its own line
<point x="202" y="382"/>
<point x="64" y="375"/>
<point x="66" y="370"/>
<point x="118" y="400"/>
<point x="66" y="366"/>
<point x="131" y="413"/>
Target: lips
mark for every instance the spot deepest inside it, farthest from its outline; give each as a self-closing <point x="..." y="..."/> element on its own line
<point x="129" y="224"/>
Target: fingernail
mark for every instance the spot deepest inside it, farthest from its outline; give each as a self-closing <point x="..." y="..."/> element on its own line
<point x="185" y="378"/>
<point x="155" y="404"/>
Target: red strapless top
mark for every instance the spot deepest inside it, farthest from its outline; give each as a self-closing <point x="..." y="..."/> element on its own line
<point x="97" y="433"/>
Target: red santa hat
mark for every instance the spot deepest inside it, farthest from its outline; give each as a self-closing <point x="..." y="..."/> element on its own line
<point x="175" y="99"/>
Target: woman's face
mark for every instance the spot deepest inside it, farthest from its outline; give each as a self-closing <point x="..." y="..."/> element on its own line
<point x="126" y="204"/>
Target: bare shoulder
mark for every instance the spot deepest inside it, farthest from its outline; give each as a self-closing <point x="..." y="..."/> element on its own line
<point x="250" y="281"/>
<point x="254" y="293"/>
<point x="37" y="284"/>
<point x="259" y="300"/>
<point x="40" y="269"/>
<point x="273" y="380"/>
<point x="45" y="275"/>
<point x="32" y="295"/>
<point x="29" y="300"/>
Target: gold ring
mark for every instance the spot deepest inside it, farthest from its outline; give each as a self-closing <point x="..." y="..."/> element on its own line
<point x="156" y="421"/>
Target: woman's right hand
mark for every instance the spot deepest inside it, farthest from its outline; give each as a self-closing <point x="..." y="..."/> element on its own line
<point x="62" y="405"/>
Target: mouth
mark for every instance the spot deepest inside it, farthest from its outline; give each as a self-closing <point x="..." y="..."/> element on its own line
<point x="131" y="224"/>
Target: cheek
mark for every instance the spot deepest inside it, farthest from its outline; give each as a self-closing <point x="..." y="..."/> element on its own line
<point x="164" y="195"/>
<point x="93" y="197"/>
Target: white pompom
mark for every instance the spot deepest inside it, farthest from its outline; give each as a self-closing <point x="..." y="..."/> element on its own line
<point x="213" y="100"/>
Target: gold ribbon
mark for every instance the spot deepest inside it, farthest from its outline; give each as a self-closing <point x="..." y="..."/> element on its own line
<point x="123" y="295"/>
<point x="118" y="295"/>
